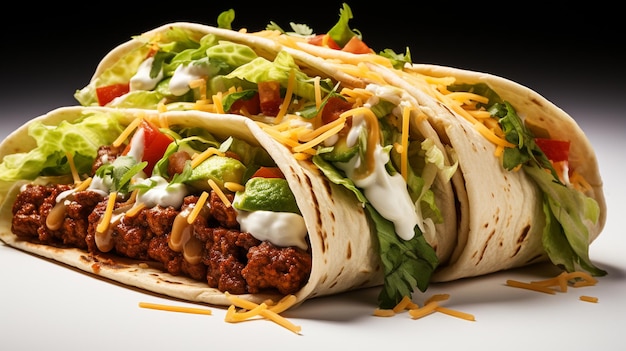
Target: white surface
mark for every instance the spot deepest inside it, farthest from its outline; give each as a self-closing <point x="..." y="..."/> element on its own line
<point x="47" y="306"/>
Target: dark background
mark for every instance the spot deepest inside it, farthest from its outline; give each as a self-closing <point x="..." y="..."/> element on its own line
<point x="564" y="52"/>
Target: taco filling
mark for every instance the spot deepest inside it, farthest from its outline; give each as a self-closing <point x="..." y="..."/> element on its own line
<point x="218" y="211"/>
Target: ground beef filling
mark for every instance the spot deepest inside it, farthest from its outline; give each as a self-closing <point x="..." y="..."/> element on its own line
<point x="231" y="260"/>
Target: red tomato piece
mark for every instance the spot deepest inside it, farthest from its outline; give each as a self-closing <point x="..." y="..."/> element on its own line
<point x="268" y="172"/>
<point x="555" y="150"/>
<point x="251" y="106"/>
<point x="356" y="46"/>
<point x="155" y="145"/>
<point x="269" y="98"/>
<point x="334" y="107"/>
<point x="324" y="40"/>
<point x="107" y="93"/>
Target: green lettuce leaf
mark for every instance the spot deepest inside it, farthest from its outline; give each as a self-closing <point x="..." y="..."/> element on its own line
<point x="83" y="137"/>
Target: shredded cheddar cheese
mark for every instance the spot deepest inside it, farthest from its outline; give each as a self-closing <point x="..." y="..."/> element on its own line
<point x="266" y="311"/>
<point x="196" y="209"/>
<point x="318" y="92"/>
<point x="83" y="185"/>
<point x="287" y="99"/>
<point x="431" y="305"/>
<point x="233" y="316"/>
<point x="169" y="308"/>
<point x="70" y="160"/>
<point x="423" y="311"/>
<point x="198" y="159"/>
<point x="234" y="187"/>
<point x="217" y="103"/>
<point x="106" y="218"/>
<point x="334" y="126"/>
<point x="381" y="312"/>
<point x="219" y="192"/>
<point x="589" y="298"/>
<point x="404" y="159"/>
<point x="455" y="313"/>
<point x="562" y="281"/>
<point x="404" y="304"/>
<point x="137" y="207"/>
<point x="201" y="84"/>
<point x="128" y="131"/>
<point x="344" y="57"/>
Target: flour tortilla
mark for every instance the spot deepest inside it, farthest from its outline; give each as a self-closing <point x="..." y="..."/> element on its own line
<point x="493" y="218"/>
<point x="267" y="45"/>
<point x="344" y="248"/>
<point x="502" y="210"/>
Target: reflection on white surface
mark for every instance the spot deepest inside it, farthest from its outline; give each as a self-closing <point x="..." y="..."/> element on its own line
<point x="44" y="305"/>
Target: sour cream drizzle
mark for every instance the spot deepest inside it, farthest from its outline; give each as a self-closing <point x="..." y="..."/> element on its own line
<point x="142" y="80"/>
<point x="162" y="193"/>
<point x="388" y="194"/>
<point x="183" y="75"/>
<point x="279" y="228"/>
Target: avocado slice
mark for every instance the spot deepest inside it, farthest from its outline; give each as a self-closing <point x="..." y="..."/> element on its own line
<point x="220" y="169"/>
<point x="340" y="151"/>
<point x="267" y="194"/>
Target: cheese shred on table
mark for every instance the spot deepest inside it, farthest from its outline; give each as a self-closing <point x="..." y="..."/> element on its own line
<point x="431" y="305"/>
<point x="562" y="281"/>
<point x="156" y="306"/>
<point x="266" y="310"/>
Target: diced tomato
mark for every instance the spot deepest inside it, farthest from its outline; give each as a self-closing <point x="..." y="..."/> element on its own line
<point x="334" y="107"/>
<point x="155" y="144"/>
<point x="268" y="172"/>
<point x="107" y="93"/>
<point x="251" y="106"/>
<point x="555" y="150"/>
<point x="356" y="46"/>
<point x="324" y="40"/>
<point x="269" y="98"/>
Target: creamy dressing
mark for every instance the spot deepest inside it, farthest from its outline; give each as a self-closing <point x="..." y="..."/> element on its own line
<point x="163" y="193"/>
<point x="280" y="228"/>
<point x="183" y="75"/>
<point x="141" y="80"/>
<point x="104" y="241"/>
<point x="388" y="194"/>
<point x="100" y="185"/>
<point x="137" y="145"/>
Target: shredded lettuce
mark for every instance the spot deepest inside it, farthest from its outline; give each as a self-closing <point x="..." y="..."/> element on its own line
<point x="82" y="137"/>
<point x="566" y="237"/>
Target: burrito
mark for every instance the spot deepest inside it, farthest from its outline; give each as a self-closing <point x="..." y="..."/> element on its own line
<point x="372" y="139"/>
<point x="527" y="188"/>
<point x="531" y="190"/>
<point x="532" y="180"/>
<point x="326" y="133"/>
<point x="421" y="190"/>
<point x="185" y="204"/>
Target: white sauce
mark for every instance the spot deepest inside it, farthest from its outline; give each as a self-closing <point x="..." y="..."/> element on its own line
<point x="163" y="194"/>
<point x="141" y="80"/>
<point x="387" y="194"/>
<point x="100" y="185"/>
<point x="183" y="75"/>
<point x="137" y="145"/>
<point x="280" y="228"/>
